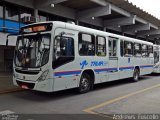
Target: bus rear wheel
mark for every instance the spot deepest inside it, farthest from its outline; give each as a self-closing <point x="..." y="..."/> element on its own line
<point x="85" y="83"/>
<point x="136" y="75"/>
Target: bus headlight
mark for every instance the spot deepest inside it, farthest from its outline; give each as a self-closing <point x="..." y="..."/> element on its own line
<point x="157" y="65"/>
<point x="43" y="76"/>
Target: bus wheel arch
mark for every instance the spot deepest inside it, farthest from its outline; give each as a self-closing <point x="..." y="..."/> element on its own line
<point x="87" y="79"/>
<point x="136" y="73"/>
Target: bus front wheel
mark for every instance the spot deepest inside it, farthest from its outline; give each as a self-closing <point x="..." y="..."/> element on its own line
<point x="136" y="75"/>
<point x="85" y="83"/>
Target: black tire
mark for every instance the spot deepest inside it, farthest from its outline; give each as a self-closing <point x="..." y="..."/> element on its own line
<point x="135" y="75"/>
<point x="85" y="83"/>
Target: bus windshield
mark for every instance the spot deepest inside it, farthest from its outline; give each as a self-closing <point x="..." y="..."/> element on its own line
<point x="32" y="51"/>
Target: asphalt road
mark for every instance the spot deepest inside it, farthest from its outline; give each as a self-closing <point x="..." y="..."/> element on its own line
<point x="119" y="97"/>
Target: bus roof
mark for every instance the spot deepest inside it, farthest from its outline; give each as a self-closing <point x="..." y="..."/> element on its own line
<point x="93" y="31"/>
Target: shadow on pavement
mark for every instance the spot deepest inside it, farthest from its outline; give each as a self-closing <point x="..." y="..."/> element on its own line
<point x="154" y="74"/>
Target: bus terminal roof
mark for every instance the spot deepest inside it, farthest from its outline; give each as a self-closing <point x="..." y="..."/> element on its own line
<point x="118" y="16"/>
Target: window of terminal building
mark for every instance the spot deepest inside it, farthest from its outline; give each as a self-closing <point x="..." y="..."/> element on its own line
<point x="26" y="15"/>
<point x="1" y="16"/>
<point x="1" y="9"/>
<point x="11" y="12"/>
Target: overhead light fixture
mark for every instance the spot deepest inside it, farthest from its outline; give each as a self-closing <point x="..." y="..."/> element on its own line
<point x="52" y="5"/>
<point x="119" y="26"/>
<point x="93" y="18"/>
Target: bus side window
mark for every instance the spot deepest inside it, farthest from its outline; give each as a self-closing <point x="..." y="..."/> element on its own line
<point x="112" y="47"/>
<point x="150" y="51"/>
<point x="128" y="49"/>
<point x="64" y="51"/>
<point x="144" y="50"/>
<point x="100" y="46"/>
<point x="122" y="48"/>
<point x="137" y="50"/>
<point x="156" y="54"/>
<point x="86" y="44"/>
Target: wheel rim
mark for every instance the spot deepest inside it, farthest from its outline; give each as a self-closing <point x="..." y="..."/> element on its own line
<point x="84" y="84"/>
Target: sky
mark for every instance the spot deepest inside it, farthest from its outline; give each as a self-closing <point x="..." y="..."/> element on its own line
<point x="150" y="6"/>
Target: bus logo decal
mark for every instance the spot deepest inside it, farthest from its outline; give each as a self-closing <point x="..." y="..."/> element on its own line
<point x="98" y="63"/>
<point x="83" y="64"/>
<point x="93" y="63"/>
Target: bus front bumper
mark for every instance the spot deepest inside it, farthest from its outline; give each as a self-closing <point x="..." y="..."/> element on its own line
<point x="44" y="86"/>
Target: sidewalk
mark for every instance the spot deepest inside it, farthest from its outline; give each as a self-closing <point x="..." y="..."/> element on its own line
<point x="6" y="84"/>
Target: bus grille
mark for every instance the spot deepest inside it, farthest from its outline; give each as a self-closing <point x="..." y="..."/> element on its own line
<point x="29" y="85"/>
<point x="27" y="72"/>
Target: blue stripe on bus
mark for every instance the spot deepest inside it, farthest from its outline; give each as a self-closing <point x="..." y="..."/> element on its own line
<point x="65" y="73"/>
<point x="126" y="68"/>
<point x="106" y="70"/>
<point x="146" y="66"/>
<point x="77" y="72"/>
<point x="113" y="69"/>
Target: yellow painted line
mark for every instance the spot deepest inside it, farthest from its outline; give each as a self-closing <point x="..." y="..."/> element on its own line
<point x="102" y="115"/>
<point x="90" y="110"/>
<point x="99" y="114"/>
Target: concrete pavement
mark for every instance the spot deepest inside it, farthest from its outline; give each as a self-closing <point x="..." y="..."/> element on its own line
<point x="142" y="97"/>
<point x="6" y="84"/>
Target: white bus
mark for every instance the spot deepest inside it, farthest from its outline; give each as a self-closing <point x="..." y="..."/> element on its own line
<point x="54" y="56"/>
<point x="156" y="49"/>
